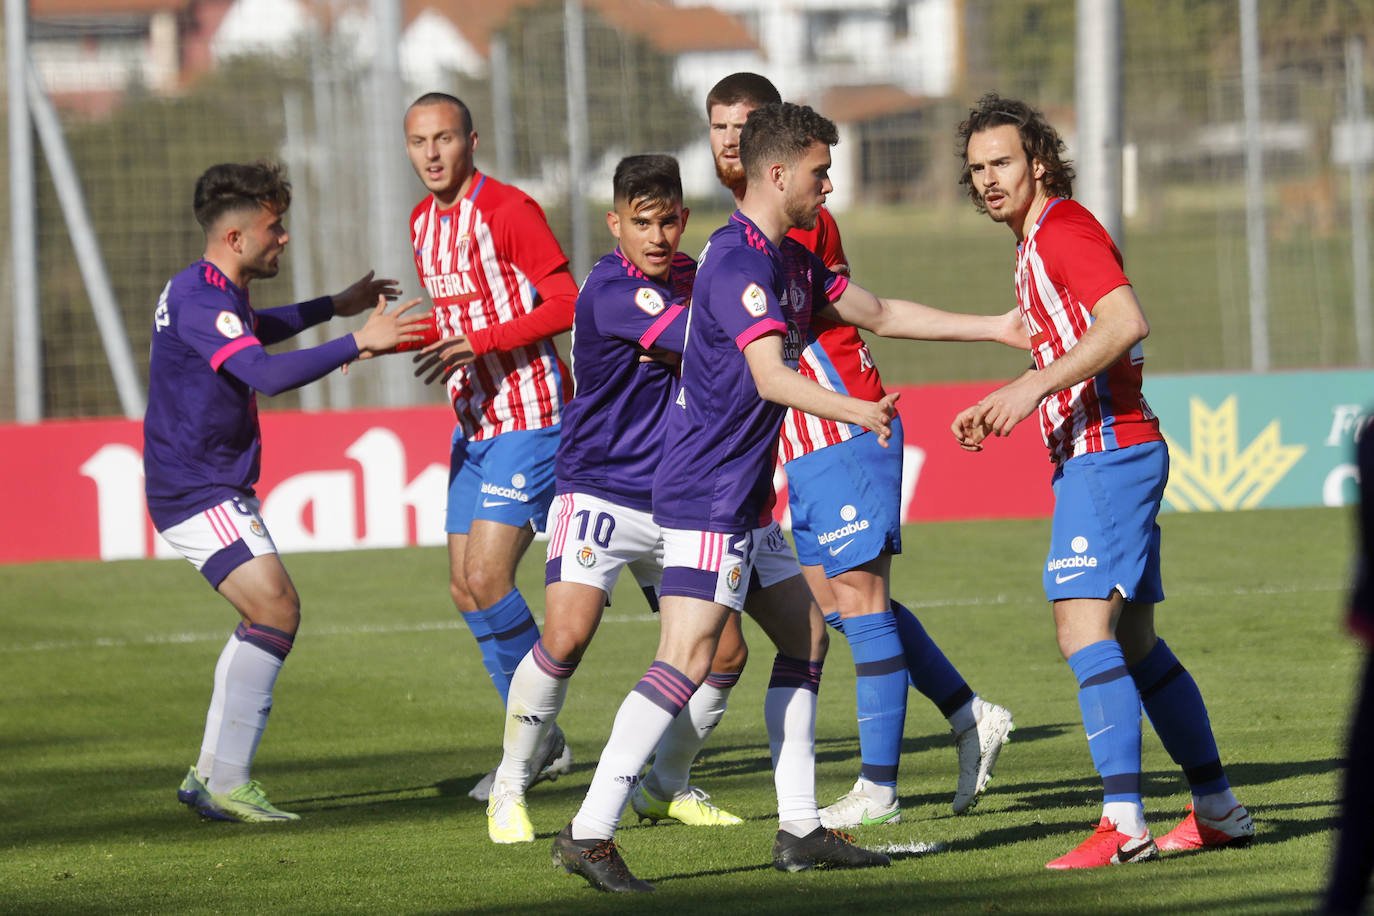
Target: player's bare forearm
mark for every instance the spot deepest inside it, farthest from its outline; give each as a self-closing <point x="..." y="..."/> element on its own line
<point x="913" y="321"/>
<point x="363" y="294"/>
<point x="780" y="384"/>
<point x="1118" y="325"/>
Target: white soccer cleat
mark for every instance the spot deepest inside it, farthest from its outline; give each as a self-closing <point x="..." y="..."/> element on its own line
<point x="865" y="805"/>
<point x="978" y="748"/>
<point x="555" y="759"/>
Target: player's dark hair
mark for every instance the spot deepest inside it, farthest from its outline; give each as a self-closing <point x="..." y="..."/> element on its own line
<point x="781" y="132"/>
<point x="652" y="177"/>
<point x="749" y="88"/>
<point x="443" y="98"/>
<point x="1039" y="139"/>
<point x="230" y="187"/>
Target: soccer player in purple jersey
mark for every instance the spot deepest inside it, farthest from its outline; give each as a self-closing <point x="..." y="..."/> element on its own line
<point x="629" y="326"/>
<point x="752" y="304"/>
<point x="844" y="494"/>
<point x="202" y="447"/>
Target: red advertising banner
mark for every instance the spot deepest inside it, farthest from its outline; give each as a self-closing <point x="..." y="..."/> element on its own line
<point x="377" y="478"/>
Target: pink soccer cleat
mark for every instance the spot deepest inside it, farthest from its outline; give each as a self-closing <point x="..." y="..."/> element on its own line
<point x="1193" y="832"/>
<point x="1108" y="846"/>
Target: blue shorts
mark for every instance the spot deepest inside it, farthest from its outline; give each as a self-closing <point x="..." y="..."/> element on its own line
<point x="846" y="502"/>
<point x="507" y="478"/>
<point x="1105" y="536"/>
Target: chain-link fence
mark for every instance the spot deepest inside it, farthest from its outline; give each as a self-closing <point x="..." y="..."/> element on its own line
<point x="907" y="227"/>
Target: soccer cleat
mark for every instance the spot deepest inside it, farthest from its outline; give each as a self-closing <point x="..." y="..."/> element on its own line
<point x="598" y="861"/>
<point x="556" y="759"/>
<point x="691" y="807"/>
<point x="247" y="804"/>
<point x="191" y="790"/>
<point x="978" y="748"/>
<point x="1194" y="832"/>
<point x="822" y="847"/>
<point x="1108" y="846"/>
<point x="508" y="821"/>
<point x="858" y="808"/>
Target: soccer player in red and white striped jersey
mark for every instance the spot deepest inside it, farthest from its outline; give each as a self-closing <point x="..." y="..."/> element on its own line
<point x="502" y="288"/>
<point x="1111" y="464"/>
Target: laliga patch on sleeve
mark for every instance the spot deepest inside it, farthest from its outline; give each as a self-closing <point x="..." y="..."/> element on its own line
<point x="754" y="301"/>
<point x="229" y="325"/>
<point x="649" y="300"/>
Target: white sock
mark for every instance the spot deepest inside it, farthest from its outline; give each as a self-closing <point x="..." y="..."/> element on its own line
<point x="534" y="702"/>
<point x="639" y="726"/>
<point x="790" y="713"/>
<point x="884" y="795"/>
<point x="679" y="748"/>
<point x="1215" y="806"/>
<point x="205" y="765"/>
<point x="249" y="678"/>
<point x="1128" y="817"/>
<point x="966" y="716"/>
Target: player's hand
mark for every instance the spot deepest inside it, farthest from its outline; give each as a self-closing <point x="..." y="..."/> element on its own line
<point x="444" y="357"/>
<point x="385" y="331"/>
<point x="877" y="417"/>
<point x="968" y="429"/>
<point x="362" y="294"/>
<point x="999" y="412"/>
<point x="1011" y="330"/>
<point x="660" y="355"/>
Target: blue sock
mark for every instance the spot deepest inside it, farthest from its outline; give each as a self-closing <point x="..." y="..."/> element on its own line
<point x="926" y="666"/>
<point x="1175" y="707"/>
<point x="513" y="633"/>
<point x="1110" y="706"/>
<point x="487" y="646"/>
<point x="880" y="691"/>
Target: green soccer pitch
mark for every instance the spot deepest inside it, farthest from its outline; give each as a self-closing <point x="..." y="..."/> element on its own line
<point x="385" y="717"/>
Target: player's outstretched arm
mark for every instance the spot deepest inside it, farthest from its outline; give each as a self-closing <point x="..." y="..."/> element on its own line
<point x="914" y="321"/>
<point x="362" y="294"/>
<point x="1118" y="325"/>
<point x="782" y="385"/>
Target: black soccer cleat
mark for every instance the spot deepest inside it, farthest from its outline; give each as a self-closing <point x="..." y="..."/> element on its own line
<point x="822" y="848"/>
<point x="598" y="861"/>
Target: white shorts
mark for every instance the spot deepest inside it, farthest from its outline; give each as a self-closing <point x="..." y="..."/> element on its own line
<point x="591" y="539"/>
<point x="709" y="565"/>
<point x="774" y="559"/>
<point x="222" y="538"/>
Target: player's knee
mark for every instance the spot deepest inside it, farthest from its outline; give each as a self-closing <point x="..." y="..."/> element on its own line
<point x="486" y="585"/>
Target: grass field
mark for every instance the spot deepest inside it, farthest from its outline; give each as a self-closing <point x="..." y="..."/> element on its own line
<point x="384" y="718"/>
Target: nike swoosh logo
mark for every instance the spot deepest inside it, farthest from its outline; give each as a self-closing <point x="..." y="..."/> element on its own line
<point x="1061" y="579"/>
<point x="488" y="503"/>
<point x="1100" y="731"/>
<point x="835" y="551"/>
<point x="867" y="821"/>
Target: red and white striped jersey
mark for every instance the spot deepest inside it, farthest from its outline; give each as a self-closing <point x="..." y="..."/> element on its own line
<point x="836" y="358"/>
<point x="479" y="260"/>
<point x="1066" y="263"/>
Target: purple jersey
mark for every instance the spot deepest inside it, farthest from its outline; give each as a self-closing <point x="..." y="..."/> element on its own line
<point x="613" y="427"/>
<point x="201" y="443"/>
<point x="721" y="437"/>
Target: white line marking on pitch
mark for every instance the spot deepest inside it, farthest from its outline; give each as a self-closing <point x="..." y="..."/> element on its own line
<point x="160" y="639"/>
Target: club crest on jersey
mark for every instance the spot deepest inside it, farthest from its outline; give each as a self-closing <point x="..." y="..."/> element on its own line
<point x="732" y="579"/>
<point x="649" y="300"/>
<point x="229" y="325"/>
<point x="754" y="301"/>
<point x="586" y="557"/>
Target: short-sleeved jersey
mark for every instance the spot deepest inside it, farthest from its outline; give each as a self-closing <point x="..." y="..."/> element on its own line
<point x="201" y="441"/>
<point x="612" y="432"/>
<point x="1066" y="263"/>
<point x="836" y="357"/>
<point x="720" y="442"/>
<point x="479" y="261"/>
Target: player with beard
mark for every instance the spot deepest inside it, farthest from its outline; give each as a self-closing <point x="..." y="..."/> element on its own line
<point x="844" y="493"/>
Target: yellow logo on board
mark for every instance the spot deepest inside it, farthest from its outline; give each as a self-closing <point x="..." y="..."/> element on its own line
<point x="1217" y="474"/>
